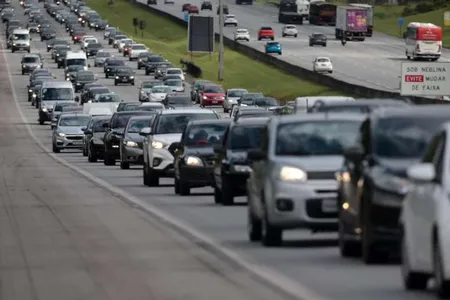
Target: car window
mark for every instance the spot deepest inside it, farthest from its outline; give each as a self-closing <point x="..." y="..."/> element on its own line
<point x="176" y="123"/>
<point x="245" y="137"/>
<point x="205" y="135"/>
<point x="74" y="121"/>
<point x="137" y="125"/>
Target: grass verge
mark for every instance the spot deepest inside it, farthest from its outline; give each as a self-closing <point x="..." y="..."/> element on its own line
<point x="169" y="39"/>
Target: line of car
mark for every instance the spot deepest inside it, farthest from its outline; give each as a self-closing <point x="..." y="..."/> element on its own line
<point x="374" y="170"/>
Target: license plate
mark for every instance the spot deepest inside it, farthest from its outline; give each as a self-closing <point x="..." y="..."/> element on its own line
<point x="329" y="206"/>
<point x="124" y="79"/>
<point x="215" y="102"/>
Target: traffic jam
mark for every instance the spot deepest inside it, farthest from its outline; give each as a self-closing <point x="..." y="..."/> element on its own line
<point x="362" y="168"/>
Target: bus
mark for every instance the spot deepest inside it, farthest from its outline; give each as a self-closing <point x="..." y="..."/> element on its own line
<point x="423" y="41"/>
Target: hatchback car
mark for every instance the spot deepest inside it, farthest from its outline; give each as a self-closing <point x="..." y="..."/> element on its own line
<point x="273" y="47"/>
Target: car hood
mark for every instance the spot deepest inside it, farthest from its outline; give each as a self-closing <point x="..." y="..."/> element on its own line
<point x="99" y="135"/>
<point x="397" y="166"/>
<point x="101" y="58"/>
<point x="214" y="94"/>
<point x="51" y="104"/>
<point x="233" y="99"/>
<point x="199" y="151"/>
<point x="135" y="137"/>
<point x="330" y="163"/>
<point x="31" y="64"/>
<point x="71" y="129"/>
<point x="238" y="156"/>
<point x="167" y="138"/>
<point x="158" y="95"/>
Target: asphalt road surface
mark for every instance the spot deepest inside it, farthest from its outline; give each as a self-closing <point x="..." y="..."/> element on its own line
<point x="375" y="63"/>
<point x="53" y="248"/>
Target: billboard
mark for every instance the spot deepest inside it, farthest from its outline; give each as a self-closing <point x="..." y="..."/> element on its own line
<point x="447" y="18"/>
<point x="425" y="79"/>
<point x="201" y="34"/>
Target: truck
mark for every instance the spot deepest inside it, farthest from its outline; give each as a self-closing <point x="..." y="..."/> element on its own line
<point x="322" y="13"/>
<point x="293" y="11"/>
<point x="351" y="23"/>
<point x="369" y="16"/>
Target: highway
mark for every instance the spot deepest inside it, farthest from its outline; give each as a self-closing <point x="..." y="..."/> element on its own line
<point x="309" y="262"/>
<point x="375" y="63"/>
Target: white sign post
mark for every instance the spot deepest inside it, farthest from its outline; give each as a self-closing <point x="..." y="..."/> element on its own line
<point x="425" y="79"/>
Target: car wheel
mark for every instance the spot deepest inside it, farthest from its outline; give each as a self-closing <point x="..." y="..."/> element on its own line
<point x="184" y="188"/>
<point x="85" y="152"/>
<point x="331" y="72"/>
<point x="227" y="196"/>
<point x="115" y="82"/>
<point x="139" y="67"/>
<point x="145" y="175"/>
<point x="153" y="179"/>
<point x="442" y="285"/>
<point x="253" y="227"/>
<point x="23" y="72"/>
<point x="259" y="39"/>
<point x="270" y="235"/>
<point x="347" y="248"/>
<point x="132" y="83"/>
<point x="147" y="73"/>
<point x="55" y="149"/>
<point x="41" y="122"/>
<point x="217" y="196"/>
<point x="124" y="165"/>
<point x="295" y="35"/>
<point x="411" y="280"/>
<point x="279" y="53"/>
<point x="370" y="254"/>
<point x="176" y="186"/>
<point x="108" y="160"/>
<point x="272" y="38"/>
<point x="225" y="110"/>
<point x="92" y="155"/>
<point x="283" y="35"/>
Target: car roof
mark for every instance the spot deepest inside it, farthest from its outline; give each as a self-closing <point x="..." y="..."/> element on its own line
<point x="429" y="110"/>
<point x="211" y="121"/>
<point x="187" y="111"/>
<point x="366" y="102"/>
<point x="75" y="114"/>
<point x="145" y="117"/>
<point x="57" y="84"/>
<point x="133" y="112"/>
<point x="252" y="121"/>
<point x="321" y="117"/>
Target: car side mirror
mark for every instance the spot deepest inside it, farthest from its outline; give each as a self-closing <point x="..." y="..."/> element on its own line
<point x="77" y="99"/>
<point x="145" y="131"/>
<point x="355" y="153"/>
<point x="83" y="129"/>
<point x="423" y="172"/>
<point x="105" y="125"/>
<point x="218" y="149"/>
<point x="256" y="155"/>
<point x="87" y="131"/>
<point x="174" y="146"/>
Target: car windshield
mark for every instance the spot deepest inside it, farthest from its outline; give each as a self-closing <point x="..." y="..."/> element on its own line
<point x="18" y="36"/>
<point x="323" y="60"/>
<point x="136" y="126"/>
<point x="255" y="114"/>
<point x="131" y="106"/>
<point x="176" y="123"/>
<point x="290" y="27"/>
<point x="60" y="106"/>
<point x="124" y="71"/>
<point x="107" y="98"/>
<point x="103" y="54"/>
<point x="156" y="59"/>
<point x="138" y="47"/>
<point x="77" y="121"/>
<point x="76" y="62"/>
<point x="316" y="138"/>
<point x="94" y="46"/>
<point x="149" y="85"/>
<point x="273" y="44"/>
<point x="173" y="82"/>
<point x="100" y="91"/>
<point x="246" y="137"/>
<point x="205" y="135"/>
<point x="213" y="89"/>
<point x="54" y="94"/>
<point x="116" y="63"/>
<point x="98" y="125"/>
<point x="179" y="101"/>
<point x="30" y="60"/>
<point x="174" y="72"/>
<point x="266" y="102"/>
<point x="161" y="89"/>
<point x="404" y="137"/>
<point x="242" y="31"/>
<point x="120" y="121"/>
<point x="236" y="93"/>
<point x="74" y="68"/>
<point x="318" y="36"/>
<point x="86" y="77"/>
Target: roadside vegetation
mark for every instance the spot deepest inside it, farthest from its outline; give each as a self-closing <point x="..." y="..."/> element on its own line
<point x="169" y="39"/>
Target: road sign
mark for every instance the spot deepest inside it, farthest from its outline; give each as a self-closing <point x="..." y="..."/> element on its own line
<point x="186" y="16"/>
<point x="200" y="34"/>
<point x="400" y="21"/>
<point x="447" y="18"/>
<point x="425" y="79"/>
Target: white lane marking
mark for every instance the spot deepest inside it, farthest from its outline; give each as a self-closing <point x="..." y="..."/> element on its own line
<point x="278" y="280"/>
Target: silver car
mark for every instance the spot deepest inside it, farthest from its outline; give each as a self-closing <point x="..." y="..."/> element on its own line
<point x="68" y="133"/>
<point x="293" y="181"/>
<point x="175" y="84"/>
<point x="100" y="58"/>
<point x="58" y="110"/>
<point x="231" y="98"/>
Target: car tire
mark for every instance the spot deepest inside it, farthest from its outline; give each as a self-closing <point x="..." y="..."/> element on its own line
<point x="41" y="122"/>
<point x="145" y="177"/>
<point x="270" y="235"/>
<point x="139" y="67"/>
<point x="253" y="227"/>
<point x="295" y="35"/>
<point x="283" y="35"/>
<point x="185" y="190"/>
<point x="225" y="110"/>
<point x="411" y="280"/>
<point x="132" y="83"/>
<point x="331" y="72"/>
<point x="272" y="38"/>
<point x="124" y="165"/>
<point x="85" y="151"/>
<point x="176" y="186"/>
<point x="279" y="53"/>
<point x="115" y="82"/>
<point x="442" y="285"/>
<point x="347" y="248"/>
<point x="92" y="155"/>
<point x="147" y="73"/>
<point x="370" y="254"/>
<point x="108" y="160"/>
<point x="23" y="72"/>
<point x="55" y="149"/>
<point x="259" y="38"/>
<point x="217" y="196"/>
<point x="153" y="179"/>
<point x="227" y="197"/>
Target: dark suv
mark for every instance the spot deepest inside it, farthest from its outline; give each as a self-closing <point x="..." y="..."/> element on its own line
<point x="319" y="39"/>
<point x="124" y="75"/>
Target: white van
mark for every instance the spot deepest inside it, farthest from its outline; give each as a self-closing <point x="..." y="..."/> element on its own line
<point x="100" y="109"/>
<point x="20" y="40"/>
<point x="53" y="92"/>
<point x="76" y="58"/>
<point x="302" y="104"/>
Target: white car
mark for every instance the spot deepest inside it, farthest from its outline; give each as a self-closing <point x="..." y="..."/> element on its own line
<point x="425" y="219"/>
<point x="176" y="85"/>
<point x="122" y="43"/>
<point x="242" y="35"/>
<point x="135" y="50"/>
<point x="289" y="30"/>
<point x="158" y="93"/>
<point x="231" y="98"/>
<point x="322" y="64"/>
<point x="176" y="72"/>
<point x="87" y="38"/>
<point x="154" y="105"/>
<point x="88" y="41"/>
<point x="230" y="20"/>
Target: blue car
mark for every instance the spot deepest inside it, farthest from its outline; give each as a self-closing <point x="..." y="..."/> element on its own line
<point x="273" y="47"/>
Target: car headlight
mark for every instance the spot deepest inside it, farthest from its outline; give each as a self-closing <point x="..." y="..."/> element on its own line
<point x="131" y="77"/>
<point x="241" y="168"/>
<point x="57" y="54"/>
<point x="117" y="77"/>
<point x="14" y="44"/>
<point x="204" y="97"/>
<point x="85" y="68"/>
<point x="130" y="143"/>
<point x="44" y="109"/>
<point x="193" y="161"/>
<point x="157" y="145"/>
<point x="79" y="19"/>
<point x="292" y="174"/>
<point x="390" y="182"/>
<point x="68" y="78"/>
<point x="343" y="176"/>
<point x="34" y="95"/>
<point x="30" y="91"/>
<point x="61" y="134"/>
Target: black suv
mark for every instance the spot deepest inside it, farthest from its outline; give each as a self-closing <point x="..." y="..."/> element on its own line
<point x="111" y="65"/>
<point x="206" y="5"/>
<point x="124" y="75"/>
<point x="82" y="78"/>
<point x="231" y="166"/>
<point x="319" y="39"/>
<point x="93" y="136"/>
<point x="194" y="156"/>
<point x="114" y="131"/>
<point x="373" y="181"/>
<point x="152" y="63"/>
<point x="224" y="9"/>
<point x="92" y="49"/>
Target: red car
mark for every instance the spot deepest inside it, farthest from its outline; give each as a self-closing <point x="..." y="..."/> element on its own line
<point x="77" y="37"/>
<point x="266" y="33"/>
<point x="126" y="49"/>
<point x="185" y="7"/>
<point x="193" y="9"/>
<point x="212" y="95"/>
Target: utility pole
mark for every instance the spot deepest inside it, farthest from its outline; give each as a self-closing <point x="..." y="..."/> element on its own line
<point x="221" y="49"/>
